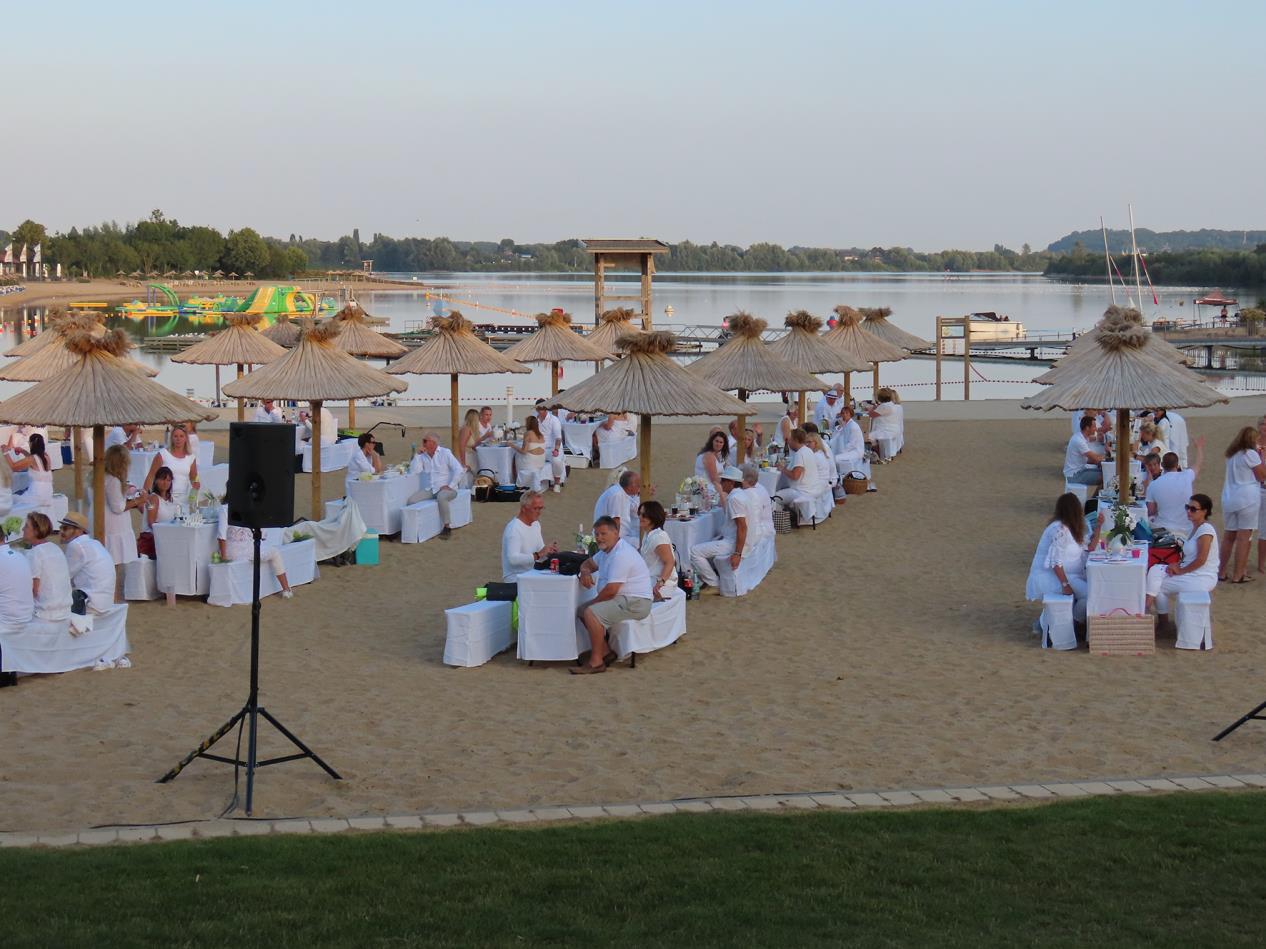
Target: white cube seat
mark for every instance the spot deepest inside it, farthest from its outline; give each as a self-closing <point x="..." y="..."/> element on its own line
<point x="477" y="631"/>
<point x="752" y="569"/>
<point x="1081" y="490"/>
<point x="1195" y="625"/>
<point x="420" y="521"/>
<point x="231" y="582"/>
<point x="663" y="627"/>
<point x="140" y="580"/>
<point x="1056" y="622"/>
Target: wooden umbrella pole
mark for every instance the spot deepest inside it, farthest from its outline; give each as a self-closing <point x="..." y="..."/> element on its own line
<point x="452" y="413"/>
<point x="874" y="389"/>
<point x="351" y="413"/>
<point x="317" y="506"/>
<point x="553" y="378"/>
<point x="803" y="403"/>
<point x="98" y="482"/>
<point x="217" y="386"/>
<point x="1123" y="456"/>
<point x="644" y="450"/>
<point x="77" y="440"/>
<point x="741" y="434"/>
<point x="848" y="391"/>
<point x="241" y="403"/>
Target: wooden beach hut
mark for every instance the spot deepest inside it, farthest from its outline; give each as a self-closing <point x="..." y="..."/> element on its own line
<point x="241" y="344"/>
<point x="849" y="338"/>
<point x="804" y="348"/>
<point x="553" y="342"/>
<point x="358" y="338"/>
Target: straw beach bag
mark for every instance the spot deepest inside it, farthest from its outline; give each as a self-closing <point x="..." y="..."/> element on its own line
<point x="1121" y="633"/>
<point x="855" y="483"/>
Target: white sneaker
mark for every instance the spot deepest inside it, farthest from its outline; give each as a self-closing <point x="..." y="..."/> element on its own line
<point x="558" y="489"/>
<point x="287" y="594"/>
<point x="102" y="664"/>
<point x="123" y="662"/>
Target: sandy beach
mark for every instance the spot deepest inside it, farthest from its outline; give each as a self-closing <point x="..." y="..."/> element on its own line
<point x="890" y="647"/>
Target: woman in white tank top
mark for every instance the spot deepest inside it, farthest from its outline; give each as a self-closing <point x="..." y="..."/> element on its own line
<point x="179" y="457"/>
<point x="39" y="469"/>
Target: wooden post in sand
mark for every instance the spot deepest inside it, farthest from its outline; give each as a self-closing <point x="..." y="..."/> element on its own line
<point x="1123" y="456"/>
<point x="318" y="509"/>
<point x="241" y="403"/>
<point x="741" y="434"/>
<point x="644" y="451"/>
<point x="452" y="413"/>
<point x="98" y="482"/>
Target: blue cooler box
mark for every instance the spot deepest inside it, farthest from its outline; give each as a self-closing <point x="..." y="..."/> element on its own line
<point x="367" y="550"/>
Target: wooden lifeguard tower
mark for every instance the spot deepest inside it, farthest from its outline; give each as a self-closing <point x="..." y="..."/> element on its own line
<point x="636" y="254"/>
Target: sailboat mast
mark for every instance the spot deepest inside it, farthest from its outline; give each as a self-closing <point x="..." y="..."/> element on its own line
<point x="1138" y="286"/>
<point x="1107" y="260"/>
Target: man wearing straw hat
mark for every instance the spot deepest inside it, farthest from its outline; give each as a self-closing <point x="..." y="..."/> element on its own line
<point x="735" y="536"/>
<point x="91" y="567"/>
<point x="848" y="444"/>
<point x="827" y="411"/>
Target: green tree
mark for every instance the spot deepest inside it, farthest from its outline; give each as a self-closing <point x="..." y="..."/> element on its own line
<point x="29" y="233"/>
<point x="245" y="252"/>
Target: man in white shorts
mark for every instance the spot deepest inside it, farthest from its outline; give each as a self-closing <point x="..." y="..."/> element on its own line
<point x="624" y="592"/>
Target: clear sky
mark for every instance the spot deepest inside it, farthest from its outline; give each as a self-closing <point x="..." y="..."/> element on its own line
<point x="933" y="124"/>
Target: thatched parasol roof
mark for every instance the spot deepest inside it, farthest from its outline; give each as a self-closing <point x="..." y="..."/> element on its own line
<point x="359" y="339"/>
<point x="53" y="320"/>
<point x="555" y="341"/>
<point x="875" y="320"/>
<point x="803" y="347"/>
<point x="99" y="389"/>
<point x="315" y="371"/>
<point x="239" y="345"/>
<point x="647" y="382"/>
<point x="1119" y="374"/>
<point x="613" y="324"/>
<point x="849" y="338"/>
<point x="55" y="358"/>
<point x="1085" y="345"/>
<point x="745" y="362"/>
<point x="454" y="349"/>
<point x="283" y="332"/>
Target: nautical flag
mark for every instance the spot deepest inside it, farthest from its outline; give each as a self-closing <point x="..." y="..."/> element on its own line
<point x="22" y="256"/>
<point x="8" y="254"/>
<point x="36" y="258"/>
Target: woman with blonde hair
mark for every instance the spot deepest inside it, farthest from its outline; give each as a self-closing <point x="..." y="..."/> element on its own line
<point x="1150" y="442"/>
<point x="467" y="439"/>
<point x="1261" y="511"/>
<point x="119" y="538"/>
<point x="530" y="457"/>
<point x="178" y="457"/>
<point x="1241" y="503"/>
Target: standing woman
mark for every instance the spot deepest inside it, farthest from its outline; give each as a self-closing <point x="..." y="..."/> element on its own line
<point x="1261" y="512"/>
<point x="119" y="538"/>
<point x="1241" y="502"/>
<point x="711" y="459"/>
<point x="467" y="438"/>
<point x="34" y="461"/>
<point x="1198" y="568"/>
<point x="182" y="463"/>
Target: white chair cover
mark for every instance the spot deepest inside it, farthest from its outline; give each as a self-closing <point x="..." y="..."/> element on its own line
<point x="1195" y="626"/>
<point x="477" y="632"/>
<point x="751" y="570"/>
<point x="140" y="580"/>
<point x="1057" y="622"/>
<point x="665" y="625"/>
<point x="420" y="522"/>
<point x="231" y="582"/>
<point x="49" y="647"/>
<point x="617" y="452"/>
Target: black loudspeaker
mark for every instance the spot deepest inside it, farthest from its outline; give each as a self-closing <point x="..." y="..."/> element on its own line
<point x="261" y="487"/>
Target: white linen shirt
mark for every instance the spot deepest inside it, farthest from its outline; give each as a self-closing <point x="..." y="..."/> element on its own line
<point x="1239" y="491"/>
<point x="1191" y="549"/>
<point x="274" y="417"/>
<point x="552" y="432"/>
<point x="17" y="606"/>
<point x="761" y="506"/>
<point x="848" y="440"/>
<point x="1075" y="457"/>
<point x="359" y="464"/>
<point x="622" y="564"/>
<point x="443" y="468"/>
<point x="824" y="410"/>
<point x="810" y="480"/>
<point x="737" y="506"/>
<point x="91" y="570"/>
<point x="48" y="565"/>
<point x="615" y="502"/>
<point x="519" y="544"/>
<point x="1170" y="493"/>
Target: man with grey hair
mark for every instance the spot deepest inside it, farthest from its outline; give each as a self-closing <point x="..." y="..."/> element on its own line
<point x="759" y="504"/>
<point x="619" y="502"/>
<point x="442" y="475"/>
<point x="521" y="542"/>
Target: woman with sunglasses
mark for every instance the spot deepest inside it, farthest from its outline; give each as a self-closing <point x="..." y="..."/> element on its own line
<point x="1198" y="568"/>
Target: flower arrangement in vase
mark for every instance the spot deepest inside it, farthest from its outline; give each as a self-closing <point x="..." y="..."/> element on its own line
<point x="1121" y="534"/>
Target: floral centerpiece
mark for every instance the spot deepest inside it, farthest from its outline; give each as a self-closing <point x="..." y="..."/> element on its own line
<point x="12" y="527"/>
<point x="585" y="543"/>
<point x="1121" y="533"/>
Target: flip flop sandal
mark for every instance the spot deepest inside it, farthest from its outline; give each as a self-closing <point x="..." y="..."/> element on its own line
<point x="1244" y="580"/>
<point x="587" y="670"/>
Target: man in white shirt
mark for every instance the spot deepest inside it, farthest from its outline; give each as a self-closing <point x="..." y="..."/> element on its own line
<point x="1173" y="432"/>
<point x="329" y="426"/>
<point x="624" y="592"/>
<point x="90" y="564"/>
<point x="485" y="425"/>
<point x="1167" y="495"/>
<point x="801" y="470"/>
<point x="125" y="435"/>
<point x="442" y="476"/>
<point x="827" y="411"/>
<point x="521" y="543"/>
<point x="365" y="459"/>
<point x="848" y="444"/>
<point x="735" y="537"/>
<point x="552" y="432"/>
<point x="1081" y="462"/>
<point x="17" y="604"/>
<point x="760" y="505"/>
<point x="267" y="412"/>
<point x="619" y="502"/>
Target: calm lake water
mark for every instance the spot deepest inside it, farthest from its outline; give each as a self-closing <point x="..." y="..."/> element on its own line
<point x="705" y="299"/>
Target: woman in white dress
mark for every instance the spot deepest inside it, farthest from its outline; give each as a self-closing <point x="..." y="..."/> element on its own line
<point x="657" y="551"/>
<point x="467" y="438"/>
<point x="158" y="508"/>
<point x="35" y="462"/>
<point x="827" y="470"/>
<point x="1198" y="568"/>
<point x="183" y="464"/>
<point x="530" y="458"/>
<point x="50" y="575"/>
<point x="1241" y="502"/>
<point x="1150" y="442"/>
<point x="119" y="538"/>
<point x="1261" y="510"/>
<point x="789" y="421"/>
<point x="1059" y="564"/>
<point x="711" y="459"/>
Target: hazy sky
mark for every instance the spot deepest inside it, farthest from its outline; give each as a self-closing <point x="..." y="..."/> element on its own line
<point x="934" y="125"/>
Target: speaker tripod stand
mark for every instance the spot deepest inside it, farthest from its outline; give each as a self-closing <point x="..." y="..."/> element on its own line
<point x="1257" y="714"/>
<point x="251" y="712"/>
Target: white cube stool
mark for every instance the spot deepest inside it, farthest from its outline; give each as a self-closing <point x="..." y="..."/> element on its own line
<point x="477" y="632"/>
<point x="1057" y="622"/>
<point x="1081" y="490"/>
<point x="420" y="521"/>
<point x="1195" y="626"/>
<point x="140" y="580"/>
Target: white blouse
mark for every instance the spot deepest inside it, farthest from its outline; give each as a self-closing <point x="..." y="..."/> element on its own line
<point x="1064" y="551"/>
<point x="48" y="565"/>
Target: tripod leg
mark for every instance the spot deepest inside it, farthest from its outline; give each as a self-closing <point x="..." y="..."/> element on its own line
<point x="1255" y="714"/>
<point x="300" y="745"/>
<point x="206" y="745"/>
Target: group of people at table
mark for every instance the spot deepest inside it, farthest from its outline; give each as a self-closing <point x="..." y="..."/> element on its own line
<point x="1174" y="511"/>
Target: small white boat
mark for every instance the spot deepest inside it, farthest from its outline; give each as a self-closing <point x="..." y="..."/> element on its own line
<point x="990" y="327"/>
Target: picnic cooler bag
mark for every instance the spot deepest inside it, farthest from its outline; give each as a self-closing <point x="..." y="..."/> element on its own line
<point x="855" y="483"/>
<point x="484" y="485"/>
<point x="1121" y="633"/>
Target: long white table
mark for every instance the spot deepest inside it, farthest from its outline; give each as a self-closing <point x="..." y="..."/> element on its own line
<point x="1117" y="584"/>
<point x="499" y="459"/>
<point x="382" y="500"/>
<point x="578" y="436"/>
<point x="698" y="530"/>
<point x="184" y="556"/>
<point x="772" y="479"/>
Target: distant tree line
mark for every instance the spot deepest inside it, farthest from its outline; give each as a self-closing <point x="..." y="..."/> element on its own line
<point x="1208" y="267"/>
<point x="1156" y="241"/>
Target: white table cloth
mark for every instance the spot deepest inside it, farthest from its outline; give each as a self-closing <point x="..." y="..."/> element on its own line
<point x="578" y="436"/>
<point x="699" y="530"/>
<point x="184" y="557"/>
<point x="54" y="452"/>
<point x="381" y="500"/>
<point x="1117" y="584"/>
<point x="548" y="629"/>
<point x="499" y="459"/>
<point x="214" y="478"/>
<point x="1109" y="470"/>
<point x="617" y="452"/>
<point x="333" y="457"/>
<point x="771" y="479"/>
<point x="476" y="632"/>
<point x="231" y="582"/>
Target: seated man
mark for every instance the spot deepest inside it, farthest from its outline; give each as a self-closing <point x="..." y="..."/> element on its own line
<point x="619" y="502"/>
<point x="365" y="460"/>
<point x="329" y="426"/>
<point x="760" y="505"/>
<point x="552" y="433"/>
<point x="829" y="406"/>
<point x="268" y="412"/>
<point x="1081" y="462"/>
<point x="521" y="543"/>
<point x="1167" y="494"/>
<point x="735" y="536"/>
<point x="442" y="475"/>
<point x="624" y="592"/>
<point x="848" y="445"/>
<point x="802" y="471"/>
<point x="90" y="564"/>
<point x="758" y="436"/>
<point x="238" y="543"/>
<point x="17" y="602"/>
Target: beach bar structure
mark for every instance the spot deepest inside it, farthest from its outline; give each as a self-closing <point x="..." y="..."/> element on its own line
<point x="632" y="254"/>
<point x="943" y="325"/>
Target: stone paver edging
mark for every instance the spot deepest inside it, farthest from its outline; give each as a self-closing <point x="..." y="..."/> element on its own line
<point x="831" y="800"/>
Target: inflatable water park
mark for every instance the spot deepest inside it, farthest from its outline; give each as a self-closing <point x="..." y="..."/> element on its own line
<point x="268" y="302"/>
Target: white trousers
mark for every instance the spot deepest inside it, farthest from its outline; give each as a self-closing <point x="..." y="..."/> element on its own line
<point x="1161" y="585"/>
<point x="559" y="467"/>
<point x="1049" y="584"/>
<point x="701" y="559"/>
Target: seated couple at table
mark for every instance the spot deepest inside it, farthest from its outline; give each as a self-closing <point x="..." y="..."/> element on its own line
<point x="808" y="476"/>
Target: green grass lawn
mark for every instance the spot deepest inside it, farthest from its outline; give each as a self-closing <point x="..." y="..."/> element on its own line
<point x="1169" y="870"/>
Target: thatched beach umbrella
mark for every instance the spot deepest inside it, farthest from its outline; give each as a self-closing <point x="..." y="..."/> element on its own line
<point x="803" y="347"/>
<point x="315" y="371"/>
<point x="358" y="339"/>
<point x="746" y="364"/>
<point x="875" y="320"/>
<point x="283" y="332"/>
<point x="100" y="389"/>
<point x="1085" y="344"/>
<point x="646" y="382"/>
<point x="1119" y="374"/>
<point x="612" y="325"/>
<point x="849" y="338"/>
<point x="239" y="345"/>
<point x="54" y="318"/>
<point x="454" y="350"/>
<point x="553" y="342"/>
